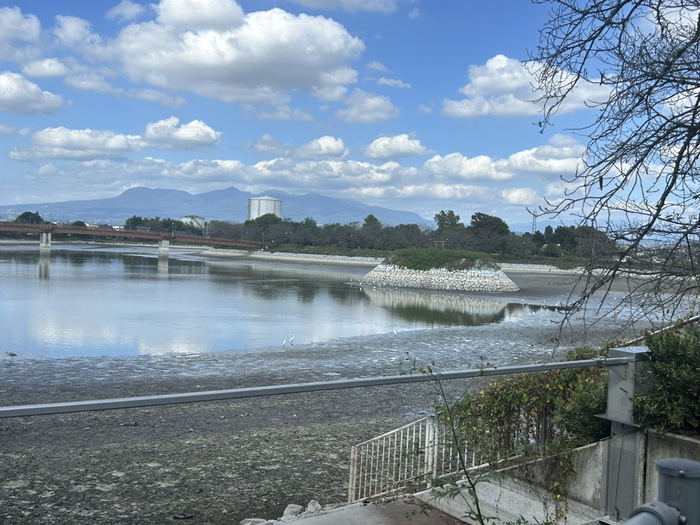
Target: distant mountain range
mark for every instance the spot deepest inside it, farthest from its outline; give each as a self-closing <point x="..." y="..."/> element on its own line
<point x="229" y="204"/>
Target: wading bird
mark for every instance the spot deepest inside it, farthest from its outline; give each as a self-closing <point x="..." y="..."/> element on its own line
<point x="12" y="355"/>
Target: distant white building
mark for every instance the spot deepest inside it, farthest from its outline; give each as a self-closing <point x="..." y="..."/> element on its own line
<point x="194" y="220"/>
<point x="259" y="206"/>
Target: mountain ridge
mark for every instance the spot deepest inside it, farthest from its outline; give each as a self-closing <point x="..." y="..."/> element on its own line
<point x="228" y="204"/>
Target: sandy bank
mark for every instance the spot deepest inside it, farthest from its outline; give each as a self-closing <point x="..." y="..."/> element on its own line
<point x="300" y="258"/>
<point x="370" y="262"/>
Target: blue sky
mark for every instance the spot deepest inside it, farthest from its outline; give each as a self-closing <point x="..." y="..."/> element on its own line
<point x="409" y="104"/>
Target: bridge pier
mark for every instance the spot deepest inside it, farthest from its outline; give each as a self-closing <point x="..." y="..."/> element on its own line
<point x="163" y="248"/>
<point x="163" y="252"/>
<point x="45" y="242"/>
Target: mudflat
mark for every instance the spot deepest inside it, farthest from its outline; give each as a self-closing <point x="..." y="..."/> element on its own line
<point x="221" y="461"/>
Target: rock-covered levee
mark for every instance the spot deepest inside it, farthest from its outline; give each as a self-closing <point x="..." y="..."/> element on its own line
<point x="481" y="277"/>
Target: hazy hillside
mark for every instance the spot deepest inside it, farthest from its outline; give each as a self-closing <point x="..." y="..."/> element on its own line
<point x="229" y="204"/>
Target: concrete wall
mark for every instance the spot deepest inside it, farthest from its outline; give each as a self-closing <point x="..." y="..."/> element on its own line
<point x="523" y="490"/>
<point x="660" y="446"/>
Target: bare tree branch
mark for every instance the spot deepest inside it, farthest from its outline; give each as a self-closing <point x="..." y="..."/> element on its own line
<point x="640" y="179"/>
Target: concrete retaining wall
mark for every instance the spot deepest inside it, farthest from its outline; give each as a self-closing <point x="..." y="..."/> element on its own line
<point x="478" y="279"/>
<point x="523" y="490"/>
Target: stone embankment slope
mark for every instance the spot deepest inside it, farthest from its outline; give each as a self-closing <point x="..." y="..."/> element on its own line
<point x="480" y="278"/>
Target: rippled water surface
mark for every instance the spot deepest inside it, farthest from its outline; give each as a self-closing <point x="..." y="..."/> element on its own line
<point x="90" y="301"/>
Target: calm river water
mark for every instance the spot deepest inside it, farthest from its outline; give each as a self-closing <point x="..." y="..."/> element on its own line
<point x="88" y="300"/>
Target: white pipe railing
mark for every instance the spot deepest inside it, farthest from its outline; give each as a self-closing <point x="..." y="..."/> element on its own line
<point x="411" y="456"/>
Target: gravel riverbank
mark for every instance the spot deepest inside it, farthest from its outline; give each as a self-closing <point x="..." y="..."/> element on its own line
<point x="219" y="462"/>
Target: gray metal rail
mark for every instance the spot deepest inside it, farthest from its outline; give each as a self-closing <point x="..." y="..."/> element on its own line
<point x="239" y="393"/>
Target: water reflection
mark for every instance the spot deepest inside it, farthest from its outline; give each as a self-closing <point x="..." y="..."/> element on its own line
<point x="44" y="265"/>
<point x="88" y="301"/>
<point x="441" y="309"/>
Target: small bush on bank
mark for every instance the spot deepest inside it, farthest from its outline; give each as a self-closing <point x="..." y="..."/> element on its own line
<point x="517" y="413"/>
<point x="671" y="400"/>
<point x="427" y="259"/>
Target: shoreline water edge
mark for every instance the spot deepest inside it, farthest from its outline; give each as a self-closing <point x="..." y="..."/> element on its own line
<point x="219" y="462"/>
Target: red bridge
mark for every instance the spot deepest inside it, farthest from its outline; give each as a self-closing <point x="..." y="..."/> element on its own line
<point x="106" y="231"/>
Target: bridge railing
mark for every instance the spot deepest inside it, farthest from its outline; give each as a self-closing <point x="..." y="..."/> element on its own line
<point x="67" y="229"/>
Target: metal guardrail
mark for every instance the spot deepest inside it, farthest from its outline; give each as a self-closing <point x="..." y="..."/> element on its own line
<point x="411" y="457"/>
<point x="240" y="393"/>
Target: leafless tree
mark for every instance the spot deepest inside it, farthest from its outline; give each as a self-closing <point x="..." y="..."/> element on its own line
<point x="639" y="180"/>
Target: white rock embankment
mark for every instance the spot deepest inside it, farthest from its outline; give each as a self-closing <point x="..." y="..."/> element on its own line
<point x="480" y="278"/>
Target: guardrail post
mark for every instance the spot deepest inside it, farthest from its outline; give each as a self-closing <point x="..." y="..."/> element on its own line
<point x="352" y="484"/>
<point x="625" y="451"/>
<point x="431" y="448"/>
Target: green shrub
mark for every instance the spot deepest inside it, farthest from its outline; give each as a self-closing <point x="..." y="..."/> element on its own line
<point x="672" y="381"/>
<point x="517" y="413"/>
<point x="427" y="259"/>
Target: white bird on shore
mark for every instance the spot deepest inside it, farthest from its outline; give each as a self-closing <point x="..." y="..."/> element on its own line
<point x="11" y="355"/>
<point x="291" y="340"/>
<point x="284" y="343"/>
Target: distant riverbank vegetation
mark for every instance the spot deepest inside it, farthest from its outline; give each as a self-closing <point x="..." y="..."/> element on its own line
<point x="485" y="237"/>
<point x="421" y="259"/>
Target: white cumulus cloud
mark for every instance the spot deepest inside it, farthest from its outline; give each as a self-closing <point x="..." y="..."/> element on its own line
<point x="48" y="67"/>
<point x="200" y="14"/>
<point x="458" y="166"/>
<point x="323" y="147"/>
<point x="504" y="87"/>
<point x="126" y="10"/>
<point x="64" y="143"/>
<point x="84" y="144"/>
<point x="520" y="196"/>
<point x="392" y="82"/>
<point x="261" y="59"/>
<point x="562" y="155"/>
<point x="169" y="134"/>
<point x="19" y="95"/>
<point x="395" y="146"/>
<point x="366" y="107"/>
<point x="18" y="33"/>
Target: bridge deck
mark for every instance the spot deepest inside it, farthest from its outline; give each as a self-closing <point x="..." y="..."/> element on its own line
<point x="68" y="229"/>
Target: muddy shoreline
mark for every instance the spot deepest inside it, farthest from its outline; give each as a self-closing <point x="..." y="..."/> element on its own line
<point x="219" y="462"/>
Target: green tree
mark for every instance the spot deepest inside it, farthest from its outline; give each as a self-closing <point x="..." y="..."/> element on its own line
<point x="447" y="220"/>
<point x="29" y="217"/>
<point x="370" y="232"/>
<point x="133" y="222"/>
<point x="482" y="222"/>
<point x="265" y="221"/>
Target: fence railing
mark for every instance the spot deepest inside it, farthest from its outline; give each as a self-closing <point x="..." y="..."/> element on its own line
<point x="410" y="457"/>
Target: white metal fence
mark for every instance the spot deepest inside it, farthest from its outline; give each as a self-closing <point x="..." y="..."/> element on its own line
<point x="409" y="457"/>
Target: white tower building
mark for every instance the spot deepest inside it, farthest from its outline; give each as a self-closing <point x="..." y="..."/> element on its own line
<point x="259" y="206"/>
